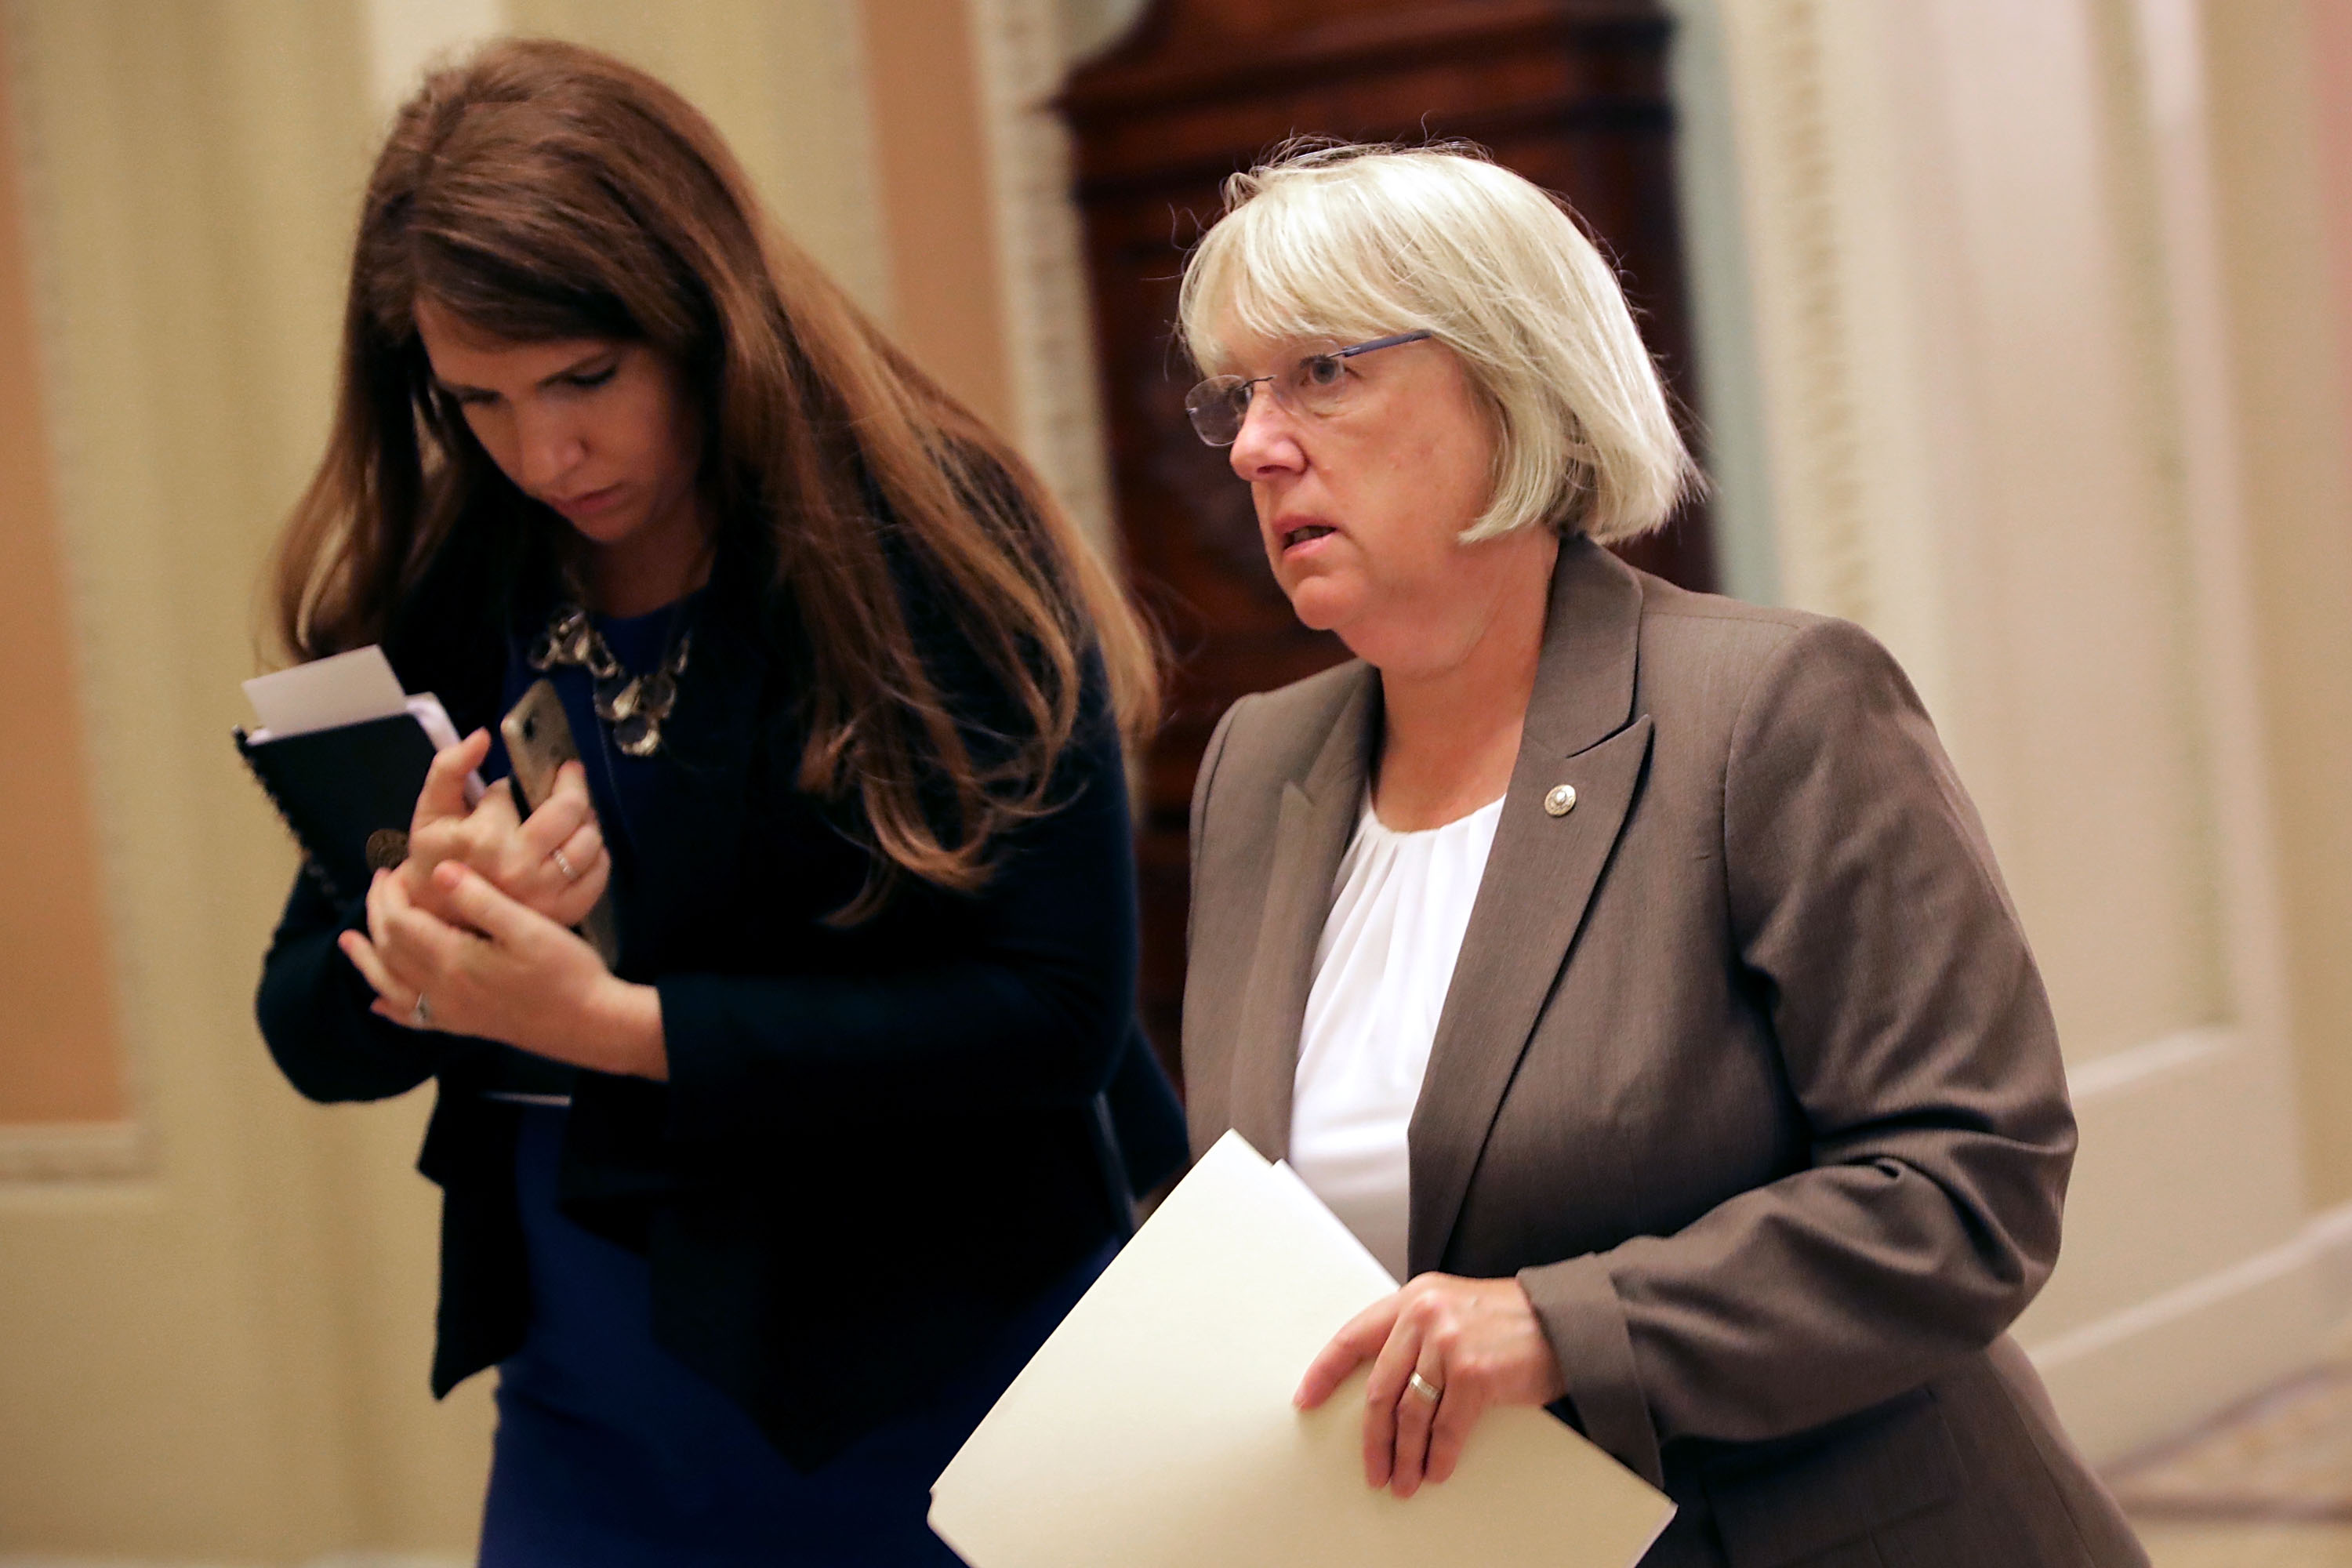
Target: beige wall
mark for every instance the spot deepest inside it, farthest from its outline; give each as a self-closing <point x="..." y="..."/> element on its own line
<point x="193" y="1362"/>
<point x="61" y="1058"/>
<point x="933" y="155"/>
<point x="786" y="82"/>
<point x="2282" y="94"/>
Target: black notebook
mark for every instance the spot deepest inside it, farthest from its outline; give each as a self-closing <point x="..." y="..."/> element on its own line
<point x="338" y="788"/>
<point x="354" y="778"/>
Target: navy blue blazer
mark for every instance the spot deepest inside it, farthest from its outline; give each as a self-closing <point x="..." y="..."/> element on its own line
<point x="876" y="1144"/>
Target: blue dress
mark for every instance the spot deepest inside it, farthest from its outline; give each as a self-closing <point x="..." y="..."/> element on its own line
<point x="611" y="1453"/>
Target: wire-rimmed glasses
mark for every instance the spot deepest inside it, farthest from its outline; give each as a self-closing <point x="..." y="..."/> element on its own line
<point x="1316" y="386"/>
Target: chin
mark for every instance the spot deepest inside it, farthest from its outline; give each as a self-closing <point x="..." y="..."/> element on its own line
<point x="1317" y="609"/>
<point x="1374" y="638"/>
<point x="603" y="532"/>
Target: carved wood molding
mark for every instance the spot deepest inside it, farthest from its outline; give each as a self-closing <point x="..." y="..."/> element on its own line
<point x="1173" y="59"/>
<point x="1805" y="276"/>
<point x="1139" y="110"/>
<point x="1049" y="343"/>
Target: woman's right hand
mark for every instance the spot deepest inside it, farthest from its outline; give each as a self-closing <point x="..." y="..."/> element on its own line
<point x="553" y="862"/>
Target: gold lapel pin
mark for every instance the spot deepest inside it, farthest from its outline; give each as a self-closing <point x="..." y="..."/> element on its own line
<point x="1560" y="801"/>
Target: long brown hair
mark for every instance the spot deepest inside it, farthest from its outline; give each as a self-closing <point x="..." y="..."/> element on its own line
<point x="543" y="190"/>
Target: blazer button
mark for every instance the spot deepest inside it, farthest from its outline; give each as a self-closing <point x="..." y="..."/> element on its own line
<point x="1560" y="801"/>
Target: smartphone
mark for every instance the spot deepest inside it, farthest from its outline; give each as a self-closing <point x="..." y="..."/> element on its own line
<point x="538" y="739"/>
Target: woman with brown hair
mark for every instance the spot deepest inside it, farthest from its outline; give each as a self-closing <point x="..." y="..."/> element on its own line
<point x="758" y="1218"/>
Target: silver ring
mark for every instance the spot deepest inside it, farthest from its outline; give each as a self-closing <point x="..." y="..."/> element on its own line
<point x="1426" y="1388"/>
<point x="423" y="1013"/>
<point x="564" y="865"/>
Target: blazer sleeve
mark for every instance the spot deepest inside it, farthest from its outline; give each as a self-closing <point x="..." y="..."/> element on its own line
<point x="313" y="1009"/>
<point x="1032" y="1010"/>
<point x="1922" y="1060"/>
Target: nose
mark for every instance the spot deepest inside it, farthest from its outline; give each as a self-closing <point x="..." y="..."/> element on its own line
<point x="549" y="447"/>
<point x="1267" y="445"/>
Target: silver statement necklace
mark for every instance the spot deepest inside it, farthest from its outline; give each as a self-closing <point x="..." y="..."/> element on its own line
<point x="633" y="705"/>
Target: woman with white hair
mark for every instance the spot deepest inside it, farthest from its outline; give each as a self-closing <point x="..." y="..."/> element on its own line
<point x="1624" y="965"/>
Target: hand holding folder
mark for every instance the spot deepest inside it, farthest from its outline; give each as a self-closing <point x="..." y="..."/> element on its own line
<point x="345" y="752"/>
<point x="342" y="751"/>
<point x="1155" y="1427"/>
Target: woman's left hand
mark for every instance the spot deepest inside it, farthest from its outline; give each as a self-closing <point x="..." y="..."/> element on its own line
<point x="507" y="973"/>
<point x="1476" y="1343"/>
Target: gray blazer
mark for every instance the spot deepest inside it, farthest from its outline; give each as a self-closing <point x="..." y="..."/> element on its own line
<point x="1746" y="1073"/>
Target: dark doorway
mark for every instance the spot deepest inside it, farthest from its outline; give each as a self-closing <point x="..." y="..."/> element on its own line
<point x="1572" y="93"/>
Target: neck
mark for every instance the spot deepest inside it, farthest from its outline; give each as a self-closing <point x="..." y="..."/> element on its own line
<point x="656" y="566"/>
<point x="1450" y="735"/>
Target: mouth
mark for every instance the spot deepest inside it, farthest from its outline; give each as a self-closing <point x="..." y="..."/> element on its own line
<point x="1303" y="533"/>
<point x="587" y="503"/>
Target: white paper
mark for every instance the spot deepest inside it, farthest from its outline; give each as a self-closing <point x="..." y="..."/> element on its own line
<point x="434" y="718"/>
<point x="1155" y="1429"/>
<point x="344" y="689"/>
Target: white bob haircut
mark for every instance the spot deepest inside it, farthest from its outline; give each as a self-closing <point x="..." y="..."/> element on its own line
<point x="1341" y="243"/>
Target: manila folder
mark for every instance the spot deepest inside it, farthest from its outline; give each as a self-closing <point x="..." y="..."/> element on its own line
<point x="1155" y="1427"/>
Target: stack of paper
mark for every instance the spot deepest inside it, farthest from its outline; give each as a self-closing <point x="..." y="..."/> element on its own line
<point x="342" y="689"/>
<point x="1155" y="1427"/>
<point x="342" y="753"/>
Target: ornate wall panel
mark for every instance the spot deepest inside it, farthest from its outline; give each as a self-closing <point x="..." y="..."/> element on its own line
<point x="1989" y="317"/>
<point x="1056" y="412"/>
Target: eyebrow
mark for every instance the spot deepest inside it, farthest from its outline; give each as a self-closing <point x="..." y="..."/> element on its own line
<point x="458" y="389"/>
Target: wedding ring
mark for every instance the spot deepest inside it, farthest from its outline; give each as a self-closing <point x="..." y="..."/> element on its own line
<point x="423" y="1013"/>
<point x="564" y="865"/>
<point x="1426" y="1388"/>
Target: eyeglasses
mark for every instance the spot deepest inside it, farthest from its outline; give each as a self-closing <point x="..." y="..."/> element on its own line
<point x="1316" y="386"/>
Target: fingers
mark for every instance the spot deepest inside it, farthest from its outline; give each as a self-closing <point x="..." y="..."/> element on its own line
<point x="553" y="861"/>
<point x="1354" y="1344"/>
<point x="560" y="816"/>
<point x="569" y="863"/>
<point x="387" y="890"/>
<point x="1458" y="1409"/>
<point x="420" y="948"/>
<point x="1385" y="1402"/>
<point x="1416" y="1418"/>
<point x="475" y="839"/>
<point x="581" y="852"/>
<point x="590" y="868"/>
<point x="1474" y="1345"/>
<point x="394" y="1000"/>
<point x="446" y="838"/>
<point x="496" y="815"/>
<point x="481" y="906"/>
<point x="444" y="794"/>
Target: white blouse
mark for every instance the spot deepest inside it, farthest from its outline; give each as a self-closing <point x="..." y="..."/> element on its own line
<point x="1399" y="907"/>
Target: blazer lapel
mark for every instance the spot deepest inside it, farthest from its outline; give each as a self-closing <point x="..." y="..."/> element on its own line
<point x="1318" y="817"/>
<point x="1539" y="877"/>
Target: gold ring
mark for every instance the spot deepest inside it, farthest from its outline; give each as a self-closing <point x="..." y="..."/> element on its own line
<point x="1426" y="1388"/>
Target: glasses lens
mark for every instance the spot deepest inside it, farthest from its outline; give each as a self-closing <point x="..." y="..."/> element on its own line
<point x="1217" y="406"/>
<point x="1317" y="384"/>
